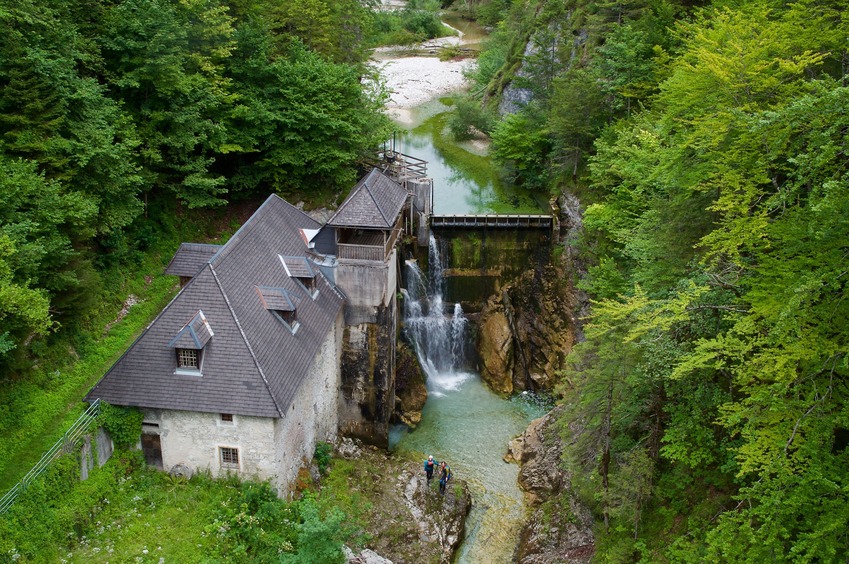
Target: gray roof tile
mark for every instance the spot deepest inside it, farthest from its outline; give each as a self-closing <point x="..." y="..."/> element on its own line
<point x="190" y="258"/>
<point x="374" y="202"/>
<point x="252" y="364"/>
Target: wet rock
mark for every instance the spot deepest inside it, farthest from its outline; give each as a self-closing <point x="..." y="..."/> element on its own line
<point x="560" y="527"/>
<point x="495" y="347"/>
<point x="410" y="387"/>
<point x="540" y="476"/>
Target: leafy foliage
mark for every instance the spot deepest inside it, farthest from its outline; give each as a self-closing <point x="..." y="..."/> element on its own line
<point x="709" y="151"/>
<point x="114" y="115"/>
<point x="122" y="423"/>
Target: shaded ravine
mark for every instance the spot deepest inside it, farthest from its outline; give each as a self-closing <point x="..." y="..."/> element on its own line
<point x="463" y="422"/>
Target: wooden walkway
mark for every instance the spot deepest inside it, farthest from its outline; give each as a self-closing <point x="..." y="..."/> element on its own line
<point x="492" y="220"/>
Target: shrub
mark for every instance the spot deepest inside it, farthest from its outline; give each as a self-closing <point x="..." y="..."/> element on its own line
<point x="122" y="423"/>
<point x="323" y="452"/>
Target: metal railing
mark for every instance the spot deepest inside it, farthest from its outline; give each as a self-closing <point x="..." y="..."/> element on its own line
<point x="492" y="220"/>
<point x="65" y="445"/>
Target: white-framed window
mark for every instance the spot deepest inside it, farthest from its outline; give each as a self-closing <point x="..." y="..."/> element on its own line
<point x="226" y="417"/>
<point x="229" y="457"/>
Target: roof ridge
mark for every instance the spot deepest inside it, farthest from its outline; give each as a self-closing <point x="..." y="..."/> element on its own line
<point x="245" y="338"/>
<point x="375" y="172"/>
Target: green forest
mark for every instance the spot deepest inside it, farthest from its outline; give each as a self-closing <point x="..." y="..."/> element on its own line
<point x="707" y="142"/>
<point x="708" y="400"/>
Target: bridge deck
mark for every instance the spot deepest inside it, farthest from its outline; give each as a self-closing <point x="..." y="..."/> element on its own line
<point x="492" y="220"/>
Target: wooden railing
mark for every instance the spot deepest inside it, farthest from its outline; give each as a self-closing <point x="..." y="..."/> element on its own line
<point x="359" y="252"/>
<point x="379" y="253"/>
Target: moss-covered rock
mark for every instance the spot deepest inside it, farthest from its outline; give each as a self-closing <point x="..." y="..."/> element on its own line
<point x="402" y="517"/>
<point x="410" y="387"/>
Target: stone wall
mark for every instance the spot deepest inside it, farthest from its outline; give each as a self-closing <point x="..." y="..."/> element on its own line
<point x="193" y="439"/>
<point x="368" y="377"/>
<point x="269" y="448"/>
<point x="478" y="263"/>
<point x="313" y="415"/>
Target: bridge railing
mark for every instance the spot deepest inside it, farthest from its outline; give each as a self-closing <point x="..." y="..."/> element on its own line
<point x="65" y="445"/>
<point x="492" y="220"/>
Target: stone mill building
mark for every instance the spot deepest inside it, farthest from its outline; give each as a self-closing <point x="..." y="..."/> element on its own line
<point x="282" y="337"/>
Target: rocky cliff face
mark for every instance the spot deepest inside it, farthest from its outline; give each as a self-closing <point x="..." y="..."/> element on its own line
<point x="527" y="329"/>
<point x="560" y="528"/>
<point x="410" y="387"/>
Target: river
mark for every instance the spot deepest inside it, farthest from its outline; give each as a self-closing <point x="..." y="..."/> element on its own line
<point x="463" y="422"/>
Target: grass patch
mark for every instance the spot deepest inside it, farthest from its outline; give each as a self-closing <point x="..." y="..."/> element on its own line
<point x="127" y="513"/>
<point x="37" y="409"/>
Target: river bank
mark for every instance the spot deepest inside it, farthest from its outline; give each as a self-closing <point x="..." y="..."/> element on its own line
<point x="415" y="75"/>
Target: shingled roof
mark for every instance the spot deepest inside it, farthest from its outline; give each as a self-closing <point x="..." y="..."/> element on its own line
<point x="252" y="364"/>
<point x="190" y="258"/>
<point x="374" y="203"/>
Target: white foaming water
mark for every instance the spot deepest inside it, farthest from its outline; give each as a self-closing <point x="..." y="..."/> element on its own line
<point x="443" y="382"/>
<point x="463" y="422"/>
<point x="439" y="340"/>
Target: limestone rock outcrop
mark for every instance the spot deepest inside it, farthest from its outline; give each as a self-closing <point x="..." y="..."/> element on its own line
<point x="410" y="387"/>
<point x="569" y="537"/>
<point x="527" y="330"/>
<point x="528" y="327"/>
<point x="406" y="520"/>
<point x="440" y="518"/>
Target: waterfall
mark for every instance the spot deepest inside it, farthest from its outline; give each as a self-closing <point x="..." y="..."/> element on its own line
<point x="439" y="339"/>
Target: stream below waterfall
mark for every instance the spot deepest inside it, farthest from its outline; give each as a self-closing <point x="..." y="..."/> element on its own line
<point x="463" y="422"/>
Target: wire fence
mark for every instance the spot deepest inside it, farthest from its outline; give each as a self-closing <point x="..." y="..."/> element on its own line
<point x="66" y="445"/>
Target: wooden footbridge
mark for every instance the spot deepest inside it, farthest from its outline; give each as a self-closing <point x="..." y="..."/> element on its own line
<point x="508" y="221"/>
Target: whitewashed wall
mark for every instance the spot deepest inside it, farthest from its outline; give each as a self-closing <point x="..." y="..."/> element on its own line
<point x="268" y="448"/>
<point x="193" y="438"/>
<point x="313" y="415"/>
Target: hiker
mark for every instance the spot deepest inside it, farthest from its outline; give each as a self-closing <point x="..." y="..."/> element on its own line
<point x="429" y="465"/>
<point x="445" y="476"/>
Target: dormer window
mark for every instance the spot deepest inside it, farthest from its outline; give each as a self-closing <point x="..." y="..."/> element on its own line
<point x="300" y="270"/>
<point x="188" y="359"/>
<point x="280" y="304"/>
<point x="189" y="344"/>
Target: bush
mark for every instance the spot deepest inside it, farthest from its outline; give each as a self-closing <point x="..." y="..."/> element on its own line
<point x="467" y="115"/>
<point x="122" y="423"/>
<point x="323" y="453"/>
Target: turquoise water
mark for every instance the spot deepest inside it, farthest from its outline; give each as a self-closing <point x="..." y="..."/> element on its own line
<point x="463" y="422"/>
<point x="467" y="425"/>
<point x="464" y="178"/>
